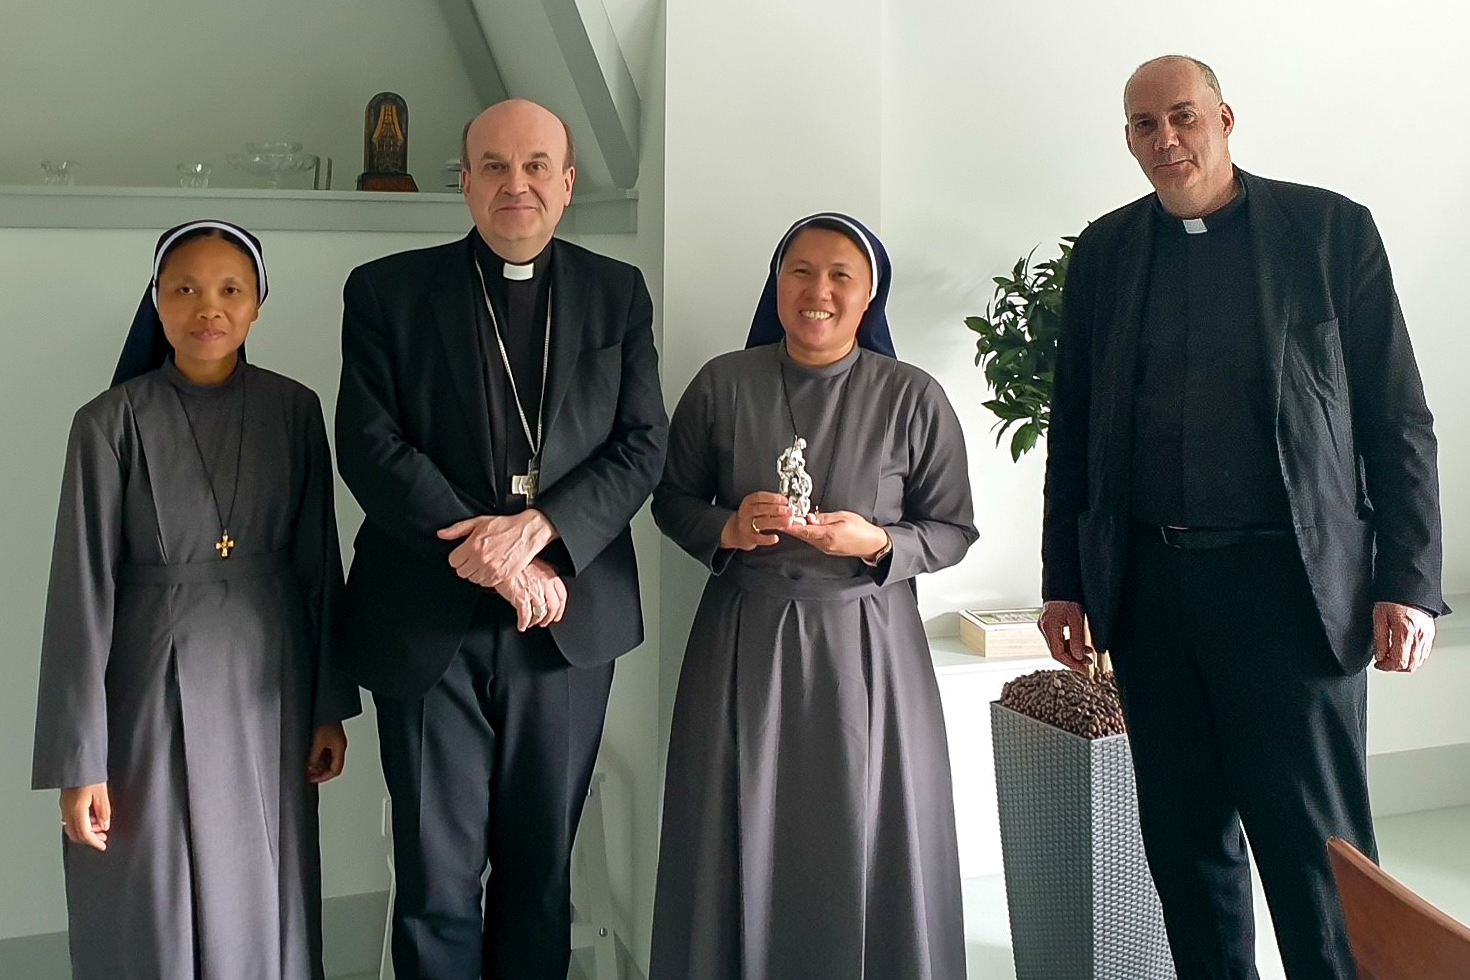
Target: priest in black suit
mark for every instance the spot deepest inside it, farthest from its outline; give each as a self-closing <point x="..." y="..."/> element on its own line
<point x="500" y="422"/>
<point x="1242" y="499"/>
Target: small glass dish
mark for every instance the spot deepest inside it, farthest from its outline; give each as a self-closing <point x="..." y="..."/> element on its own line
<point x="273" y="160"/>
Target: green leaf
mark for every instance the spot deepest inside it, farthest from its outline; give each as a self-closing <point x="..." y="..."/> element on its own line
<point x="1024" y="440"/>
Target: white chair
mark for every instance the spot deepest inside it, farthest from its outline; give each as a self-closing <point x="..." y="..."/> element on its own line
<point x="592" y="917"/>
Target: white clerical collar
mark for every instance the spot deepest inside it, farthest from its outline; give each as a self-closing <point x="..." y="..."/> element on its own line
<point x="519" y="273"/>
<point x="1203" y="225"/>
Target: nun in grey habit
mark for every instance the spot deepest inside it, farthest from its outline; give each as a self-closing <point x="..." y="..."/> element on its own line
<point x="808" y="825"/>
<point x="191" y="677"/>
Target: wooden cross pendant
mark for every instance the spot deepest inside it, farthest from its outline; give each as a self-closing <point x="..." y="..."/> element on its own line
<point x="224" y="544"/>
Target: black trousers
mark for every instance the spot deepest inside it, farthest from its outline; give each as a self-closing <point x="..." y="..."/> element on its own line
<point x="492" y="764"/>
<point x="1239" y="715"/>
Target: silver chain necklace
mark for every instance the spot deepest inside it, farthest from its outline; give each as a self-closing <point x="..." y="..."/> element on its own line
<point x="523" y="484"/>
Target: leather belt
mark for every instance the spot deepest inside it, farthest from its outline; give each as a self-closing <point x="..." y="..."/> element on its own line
<point x="1209" y="538"/>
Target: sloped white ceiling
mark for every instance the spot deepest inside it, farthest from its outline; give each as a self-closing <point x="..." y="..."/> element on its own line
<point x="566" y="55"/>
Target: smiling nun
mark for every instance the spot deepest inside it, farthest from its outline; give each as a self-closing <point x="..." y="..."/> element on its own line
<point x="808" y="825"/>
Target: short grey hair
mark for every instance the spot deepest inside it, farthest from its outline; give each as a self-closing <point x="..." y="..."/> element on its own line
<point x="1206" y="72"/>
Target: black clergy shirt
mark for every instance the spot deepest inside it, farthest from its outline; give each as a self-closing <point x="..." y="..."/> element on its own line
<point x="520" y="308"/>
<point x="1204" y="445"/>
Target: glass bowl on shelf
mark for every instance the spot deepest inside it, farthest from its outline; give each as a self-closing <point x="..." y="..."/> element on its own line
<point x="273" y="160"/>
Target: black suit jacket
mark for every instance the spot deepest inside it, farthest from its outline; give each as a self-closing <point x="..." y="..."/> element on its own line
<point x="1354" y="436"/>
<point x="413" y="445"/>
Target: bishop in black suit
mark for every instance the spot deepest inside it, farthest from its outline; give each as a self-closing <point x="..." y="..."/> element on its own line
<point x="500" y="422"/>
<point x="1242" y="499"/>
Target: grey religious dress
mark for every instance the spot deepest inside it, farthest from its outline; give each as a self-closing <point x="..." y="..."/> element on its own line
<point x="808" y="823"/>
<point x="192" y="684"/>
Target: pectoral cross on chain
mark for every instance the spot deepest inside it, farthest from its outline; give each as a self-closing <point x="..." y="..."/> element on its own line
<point x="224" y="544"/>
<point x="524" y="484"/>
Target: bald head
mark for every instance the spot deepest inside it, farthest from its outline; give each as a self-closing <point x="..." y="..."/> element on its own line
<point x="1178" y="129"/>
<point x="1206" y="73"/>
<point x="518" y="112"/>
<point x="517" y="177"/>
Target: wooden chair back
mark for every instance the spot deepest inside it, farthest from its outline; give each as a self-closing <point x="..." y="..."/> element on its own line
<point x="1395" y="934"/>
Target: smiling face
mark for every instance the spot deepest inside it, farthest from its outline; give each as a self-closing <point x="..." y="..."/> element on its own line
<point x="207" y="300"/>
<point x="517" y="179"/>
<point x="1178" y="130"/>
<point x="821" y="295"/>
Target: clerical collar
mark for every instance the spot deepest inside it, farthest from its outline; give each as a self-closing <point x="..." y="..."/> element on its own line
<point x="1210" y="222"/>
<point x="490" y="260"/>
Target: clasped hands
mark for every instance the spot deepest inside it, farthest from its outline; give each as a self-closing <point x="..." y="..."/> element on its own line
<point x="499" y="552"/>
<point x="1402" y="636"/>
<point x="840" y="533"/>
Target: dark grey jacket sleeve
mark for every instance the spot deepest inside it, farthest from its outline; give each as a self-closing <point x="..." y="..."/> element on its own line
<point x="71" y="704"/>
<point x="1394" y="432"/>
<point x="596" y="501"/>
<point x="684" y="503"/>
<point x="317" y="560"/>
<point x="1066" y="490"/>
<point x="397" y="484"/>
<point x="937" y="526"/>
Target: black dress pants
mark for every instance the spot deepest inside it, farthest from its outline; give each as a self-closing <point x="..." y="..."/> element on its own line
<point x="492" y="764"/>
<point x="1239" y="714"/>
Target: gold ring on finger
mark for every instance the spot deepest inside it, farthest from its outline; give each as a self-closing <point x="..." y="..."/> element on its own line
<point x="754" y="528"/>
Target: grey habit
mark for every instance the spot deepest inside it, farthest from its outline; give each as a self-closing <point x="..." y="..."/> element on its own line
<point x="190" y="684"/>
<point x="808" y="823"/>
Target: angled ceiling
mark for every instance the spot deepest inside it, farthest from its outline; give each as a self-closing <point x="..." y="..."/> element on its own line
<point x="565" y="55"/>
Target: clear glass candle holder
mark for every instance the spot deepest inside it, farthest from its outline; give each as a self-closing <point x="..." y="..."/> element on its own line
<point x="60" y="173"/>
<point x="194" y="174"/>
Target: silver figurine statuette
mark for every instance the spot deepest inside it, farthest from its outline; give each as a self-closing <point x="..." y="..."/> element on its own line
<point x="796" y="482"/>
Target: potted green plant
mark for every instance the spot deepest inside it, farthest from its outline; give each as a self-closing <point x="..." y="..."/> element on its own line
<point x="1078" y="890"/>
<point x="1017" y="344"/>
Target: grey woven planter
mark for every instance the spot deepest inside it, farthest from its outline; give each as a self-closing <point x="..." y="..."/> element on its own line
<point x="1082" y="904"/>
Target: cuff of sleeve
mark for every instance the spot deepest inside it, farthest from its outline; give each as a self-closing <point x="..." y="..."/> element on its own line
<point x="711" y="528"/>
<point x="337" y="706"/>
<point x="883" y="553"/>
<point x="1428" y="610"/>
<point x="1431" y="602"/>
<point x="551" y="510"/>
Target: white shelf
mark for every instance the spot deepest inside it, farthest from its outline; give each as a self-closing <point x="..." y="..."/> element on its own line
<point x="951" y="656"/>
<point x="594" y="212"/>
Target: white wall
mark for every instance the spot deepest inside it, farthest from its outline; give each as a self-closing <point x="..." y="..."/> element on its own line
<point x="131" y="89"/>
<point x="630" y="747"/>
<point x="773" y="112"/>
<point x="1002" y="129"/>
